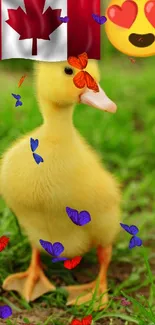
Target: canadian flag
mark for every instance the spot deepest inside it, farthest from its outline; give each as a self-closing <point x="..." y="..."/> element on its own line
<point x="32" y="29"/>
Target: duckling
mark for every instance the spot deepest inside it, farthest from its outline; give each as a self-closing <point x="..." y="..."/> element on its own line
<point x="71" y="175"/>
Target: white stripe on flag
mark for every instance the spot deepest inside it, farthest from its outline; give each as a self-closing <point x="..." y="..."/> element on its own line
<point x="53" y="50"/>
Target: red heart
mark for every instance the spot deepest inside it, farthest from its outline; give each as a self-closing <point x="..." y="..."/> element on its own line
<point x="3" y="242"/>
<point x="125" y="15"/>
<point x="150" y="12"/>
<point x="71" y="264"/>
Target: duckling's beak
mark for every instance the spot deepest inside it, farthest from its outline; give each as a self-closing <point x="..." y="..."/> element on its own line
<point x="98" y="100"/>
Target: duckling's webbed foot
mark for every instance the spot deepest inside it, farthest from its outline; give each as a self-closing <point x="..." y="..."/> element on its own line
<point x="99" y="286"/>
<point x="32" y="283"/>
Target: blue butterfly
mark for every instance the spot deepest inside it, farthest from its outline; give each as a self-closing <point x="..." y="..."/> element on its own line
<point x="5" y="311"/>
<point x="34" y="144"/>
<point x="64" y="19"/>
<point x="99" y="19"/>
<point x="18" y="102"/>
<point x="132" y="230"/>
<point x="38" y="159"/>
<point x="78" y="218"/>
<point x="53" y="249"/>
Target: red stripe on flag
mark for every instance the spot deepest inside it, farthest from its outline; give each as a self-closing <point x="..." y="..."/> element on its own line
<point x="0" y="29"/>
<point x="83" y="32"/>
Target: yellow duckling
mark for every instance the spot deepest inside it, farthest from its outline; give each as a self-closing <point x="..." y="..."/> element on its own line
<point x="71" y="175"/>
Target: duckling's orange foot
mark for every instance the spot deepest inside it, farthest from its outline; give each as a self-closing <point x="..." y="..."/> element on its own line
<point x="97" y="288"/>
<point x="77" y="296"/>
<point x="32" y="283"/>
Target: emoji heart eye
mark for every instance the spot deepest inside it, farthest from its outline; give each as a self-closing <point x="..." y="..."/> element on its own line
<point x="150" y="12"/>
<point x="125" y="15"/>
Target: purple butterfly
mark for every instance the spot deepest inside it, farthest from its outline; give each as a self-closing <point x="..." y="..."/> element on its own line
<point x="80" y="219"/>
<point x="38" y="159"/>
<point x="99" y="19"/>
<point x="34" y="144"/>
<point x="53" y="249"/>
<point x="132" y="230"/>
<point x="64" y="19"/>
<point x="5" y="311"/>
<point x="18" y="102"/>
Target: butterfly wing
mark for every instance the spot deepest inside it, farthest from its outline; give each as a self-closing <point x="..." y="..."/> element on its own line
<point x="58" y="248"/>
<point x="102" y="20"/>
<point x="138" y="241"/>
<point x="71" y="264"/>
<point x="84" y="218"/>
<point x="72" y="214"/>
<point x="5" y="311"/>
<point x="16" y="96"/>
<point x="90" y="82"/>
<point x="83" y="58"/>
<point x="133" y="230"/>
<point x="79" y="80"/>
<point x="135" y="241"/>
<point x="74" y="62"/>
<point x="34" y="144"/>
<point x="95" y="17"/>
<point x="18" y="103"/>
<point x="3" y="242"/>
<point x="47" y="246"/>
<point x="64" y="19"/>
<point x="38" y="159"/>
<point x="59" y="259"/>
<point x="87" y="320"/>
<point x="126" y="228"/>
<point x="80" y="62"/>
<point x="76" y="322"/>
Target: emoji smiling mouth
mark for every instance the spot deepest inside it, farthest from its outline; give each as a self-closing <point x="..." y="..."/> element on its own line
<point x="141" y="40"/>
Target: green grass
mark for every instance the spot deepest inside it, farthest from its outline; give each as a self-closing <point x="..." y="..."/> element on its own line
<point x="126" y="142"/>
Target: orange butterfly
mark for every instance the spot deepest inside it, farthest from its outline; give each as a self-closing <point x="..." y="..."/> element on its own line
<point x="21" y="80"/>
<point x="82" y="78"/>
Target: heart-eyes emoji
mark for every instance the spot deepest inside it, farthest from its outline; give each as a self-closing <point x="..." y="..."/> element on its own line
<point x="130" y="26"/>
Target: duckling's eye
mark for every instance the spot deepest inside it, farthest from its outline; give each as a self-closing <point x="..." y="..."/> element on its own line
<point x="68" y="70"/>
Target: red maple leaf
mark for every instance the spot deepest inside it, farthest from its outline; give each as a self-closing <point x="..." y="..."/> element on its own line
<point x="34" y="23"/>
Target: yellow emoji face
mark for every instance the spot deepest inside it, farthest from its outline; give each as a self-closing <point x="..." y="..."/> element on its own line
<point x="130" y="26"/>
